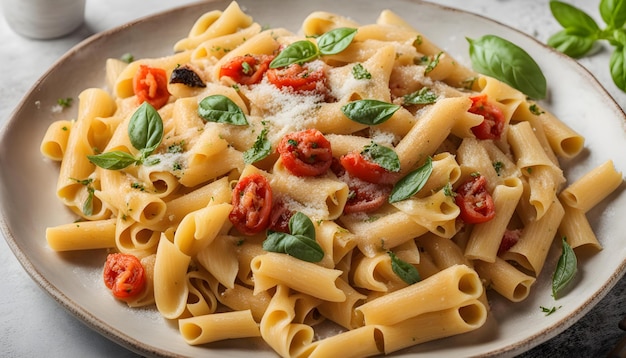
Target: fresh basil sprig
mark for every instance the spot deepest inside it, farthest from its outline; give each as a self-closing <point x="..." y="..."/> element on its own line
<point x="423" y="96"/>
<point x="407" y="272"/>
<point x="260" y="150"/>
<point x="221" y="109"/>
<point x="369" y="111"/>
<point x="565" y="269"/>
<point x="386" y="157"/>
<point x="580" y="33"/>
<point x="145" y="131"/>
<point x="412" y="182"/>
<point x="330" y="43"/>
<point x="499" y="58"/>
<point x="299" y="243"/>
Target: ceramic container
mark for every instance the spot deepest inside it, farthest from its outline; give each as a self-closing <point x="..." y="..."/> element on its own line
<point x="44" y="19"/>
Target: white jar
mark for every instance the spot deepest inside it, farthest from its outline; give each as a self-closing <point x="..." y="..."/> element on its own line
<point x="44" y="19"/>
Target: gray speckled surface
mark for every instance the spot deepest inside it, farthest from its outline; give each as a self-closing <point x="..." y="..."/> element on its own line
<point x="34" y="325"/>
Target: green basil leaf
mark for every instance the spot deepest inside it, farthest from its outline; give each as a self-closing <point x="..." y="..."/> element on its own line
<point x="412" y="182"/>
<point x="221" y="109"/>
<point x="423" y="96"/>
<point x="571" y="44"/>
<point x="369" y="111"/>
<point x="565" y="269"/>
<point x="303" y="248"/>
<point x="145" y="128"/>
<point x="617" y="64"/>
<point x="386" y="157"/>
<point x="115" y="160"/>
<point x="613" y="12"/>
<point x="298" y="52"/>
<point x="432" y="63"/>
<point x="275" y="241"/>
<point x="300" y="224"/>
<point x="407" y="272"/>
<point x="88" y="204"/>
<point x="260" y="149"/>
<point x="335" y="40"/>
<point x="496" y="57"/>
<point x="573" y="18"/>
<point x="360" y="73"/>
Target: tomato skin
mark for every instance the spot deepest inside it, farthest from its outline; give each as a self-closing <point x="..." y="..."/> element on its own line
<point x="150" y="85"/>
<point x="280" y="216"/>
<point x="356" y="164"/>
<point x="124" y="275"/>
<point x="296" y="77"/>
<point x="306" y="153"/>
<point x="493" y="124"/>
<point x="364" y="196"/>
<point x="509" y="239"/>
<point x="474" y="200"/>
<point x="252" y="204"/>
<point x="249" y="74"/>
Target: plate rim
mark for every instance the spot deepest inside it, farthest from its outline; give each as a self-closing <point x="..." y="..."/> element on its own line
<point x="137" y="346"/>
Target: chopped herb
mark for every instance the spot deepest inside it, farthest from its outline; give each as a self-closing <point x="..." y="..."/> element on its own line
<point x="475" y="174"/>
<point x="418" y="40"/>
<point x="498" y="166"/>
<point x="432" y="63"/>
<point x="245" y="67"/>
<point x="534" y="109"/>
<point x="292" y="142"/>
<point x="65" y="102"/>
<point x="448" y="191"/>
<point x="469" y="83"/>
<point x="549" y="311"/>
<point x="138" y="186"/>
<point x="177" y="166"/>
<point x="64" y="128"/>
<point x="423" y="96"/>
<point x="260" y="150"/>
<point x="360" y="73"/>
<point x="407" y="272"/>
<point x="176" y="147"/>
<point x="127" y="57"/>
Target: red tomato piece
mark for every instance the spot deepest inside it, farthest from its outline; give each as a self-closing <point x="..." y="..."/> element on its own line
<point x="279" y="219"/>
<point x="248" y="69"/>
<point x="493" y="123"/>
<point x="150" y="85"/>
<point x="364" y="197"/>
<point x="306" y="153"/>
<point x="509" y="239"/>
<point x="356" y="164"/>
<point x="252" y="204"/>
<point x="474" y="200"/>
<point x="124" y="275"/>
<point x="296" y="77"/>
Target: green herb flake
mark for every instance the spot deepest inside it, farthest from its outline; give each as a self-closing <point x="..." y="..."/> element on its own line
<point x="260" y="149"/>
<point x="498" y="166"/>
<point x="432" y="63"/>
<point x="65" y="102"/>
<point x="549" y="311"/>
<point x="534" y="109"/>
<point x="360" y="73"/>
<point x="127" y="57"/>
<point x="407" y="272"/>
<point x="423" y="96"/>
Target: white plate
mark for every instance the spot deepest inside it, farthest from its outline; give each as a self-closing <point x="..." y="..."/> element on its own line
<point x="29" y="205"/>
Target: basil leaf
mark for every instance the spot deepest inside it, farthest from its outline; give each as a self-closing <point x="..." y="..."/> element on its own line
<point x="613" y="12"/>
<point x="412" y="182"/>
<point x="115" y="160"/>
<point x="423" y="96"/>
<point x="221" y="109"/>
<point x="407" y="272"/>
<point x="88" y="204"/>
<point x="571" y="44"/>
<point x="494" y="56"/>
<point x="260" y="150"/>
<point x="145" y="129"/>
<point x="565" y="269"/>
<point x="573" y="19"/>
<point x="617" y="64"/>
<point x="298" y="52"/>
<point x="300" y="243"/>
<point x="335" y="40"/>
<point x="386" y="157"/>
<point x="432" y="63"/>
<point x="369" y="111"/>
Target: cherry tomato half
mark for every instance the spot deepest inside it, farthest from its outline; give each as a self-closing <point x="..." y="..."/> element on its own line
<point x="150" y="85"/>
<point x="509" y="239"/>
<point x="124" y="275"/>
<point x="364" y="197"/>
<point x="252" y="204"/>
<point x="493" y="124"/>
<point x="474" y="200"/>
<point x="306" y="153"/>
<point x="356" y="164"/>
<point x="297" y="77"/>
<point x="279" y="219"/>
<point x="248" y="69"/>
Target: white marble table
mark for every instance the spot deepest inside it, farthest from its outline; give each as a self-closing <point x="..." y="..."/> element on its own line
<point x="33" y="325"/>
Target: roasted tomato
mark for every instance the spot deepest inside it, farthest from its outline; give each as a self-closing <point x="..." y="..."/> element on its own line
<point x="474" y="200"/>
<point x="248" y="69"/>
<point x="124" y="275"/>
<point x="493" y="123"/>
<point x="298" y="78"/>
<point x="306" y="153"/>
<point x="279" y="219"/>
<point x="364" y="196"/>
<point x="358" y="166"/>
<point x="509" y="239"/>
<point x="252" y="204"/>
<point x="150" y="85"/>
